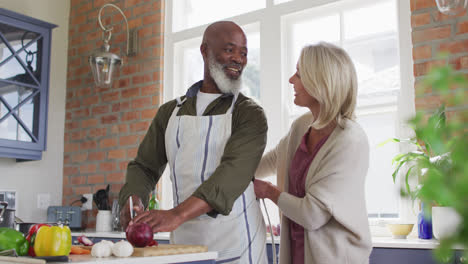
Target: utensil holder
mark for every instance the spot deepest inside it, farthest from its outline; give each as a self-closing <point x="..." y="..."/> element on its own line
<point x="104" y="221"/>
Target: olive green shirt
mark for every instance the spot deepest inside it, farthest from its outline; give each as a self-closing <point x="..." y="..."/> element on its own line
<point x="240" y="159"/>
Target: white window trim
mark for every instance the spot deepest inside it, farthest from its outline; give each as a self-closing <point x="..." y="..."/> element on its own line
<point x="274" y="79"/>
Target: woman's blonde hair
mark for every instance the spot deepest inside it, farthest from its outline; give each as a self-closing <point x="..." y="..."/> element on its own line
<point x="328" y="75"/>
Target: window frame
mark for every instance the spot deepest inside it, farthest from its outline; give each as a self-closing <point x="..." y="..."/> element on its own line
<point x="274" y="78"/>
<point x="21" y="150"/>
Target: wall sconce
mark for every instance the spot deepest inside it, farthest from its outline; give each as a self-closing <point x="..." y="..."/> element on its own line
<point x="103" y="62"/>
<point x="451" y="7"/>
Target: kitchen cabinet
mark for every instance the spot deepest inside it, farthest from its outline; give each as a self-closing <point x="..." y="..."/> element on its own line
<point x="25" y="44"/>
<point x="409" y="256"/>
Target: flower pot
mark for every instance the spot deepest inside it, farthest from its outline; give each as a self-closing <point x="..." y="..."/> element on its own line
<point x="445" y="221"/>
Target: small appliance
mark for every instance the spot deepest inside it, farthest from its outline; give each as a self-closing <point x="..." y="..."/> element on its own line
<point x="67" y="215"/>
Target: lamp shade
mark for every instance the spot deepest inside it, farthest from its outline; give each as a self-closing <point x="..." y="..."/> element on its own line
<point x="103" y="66"/>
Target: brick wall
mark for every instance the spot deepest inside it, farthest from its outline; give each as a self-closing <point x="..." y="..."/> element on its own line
<point x="432" y="33"/>
<point x="104" y="126"/>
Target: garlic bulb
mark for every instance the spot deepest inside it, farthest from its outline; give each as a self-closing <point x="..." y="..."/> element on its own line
<point x="101" y="250"/>
<point x="122" y="249"/>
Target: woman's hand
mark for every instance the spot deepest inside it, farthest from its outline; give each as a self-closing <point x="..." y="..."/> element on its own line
<point x="264" y="189"/>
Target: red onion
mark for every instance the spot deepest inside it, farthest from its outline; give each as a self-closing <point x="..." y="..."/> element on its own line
<point x="139" y="234"/>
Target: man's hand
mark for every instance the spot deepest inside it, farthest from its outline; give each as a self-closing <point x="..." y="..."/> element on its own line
<point x="169" y="220"/>
<point x="138" y="208"/>
<point x="160" y="220"/>
<point x="264" y="189"/>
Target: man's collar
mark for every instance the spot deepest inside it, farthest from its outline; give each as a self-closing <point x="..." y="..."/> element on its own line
<point x="193" y="90"/>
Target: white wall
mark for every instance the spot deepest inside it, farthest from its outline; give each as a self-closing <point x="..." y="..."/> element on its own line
<point x="45" y="176"/>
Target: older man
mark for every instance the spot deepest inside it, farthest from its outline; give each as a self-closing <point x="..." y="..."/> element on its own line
<point x="212" y="139"/>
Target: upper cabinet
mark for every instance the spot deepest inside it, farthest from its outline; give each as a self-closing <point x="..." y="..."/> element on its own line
<point x="24" y="85"/>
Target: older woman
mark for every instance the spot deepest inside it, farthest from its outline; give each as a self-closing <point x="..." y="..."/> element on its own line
<point x="321" y="165"/>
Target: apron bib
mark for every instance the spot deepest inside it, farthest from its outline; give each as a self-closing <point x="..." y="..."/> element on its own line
<point x="194" y="146"/>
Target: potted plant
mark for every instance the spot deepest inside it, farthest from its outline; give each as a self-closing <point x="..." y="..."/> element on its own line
<point x="440" y="161"/>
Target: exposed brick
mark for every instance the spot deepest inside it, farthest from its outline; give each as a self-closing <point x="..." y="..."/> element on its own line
<point x="100" y="109"/>
<point x="139" y="126"/>
<point x="77" y="180"/>
<point x="153" y="18"/>
<point x="85" y="145"/>
<point x="93" y="129"/>
<point x="454" y="46"/>
<point x="81" y="189"/>
<point x="77" y="135"/>
<point x="123" y="165"/>
<point x="149" y="113"/>
<point x="97" y="132"/>
<point x="109" y="119"/>
<point x="97" y="178"/>
<point x="81" y="113"/>
<point x="71" y="147"/>
<point x="107" y="166"/>
<point x="149" y="90"/>
<point x="93" y="100"/>
<point x="115" y="177"/>
<point x="108" y="143"/>
<point x="119" y="129"/>
<point x="442" y="17"/>
<point x="122" y="106"/>
<point x="78" y="158"/>
<point x="131" y="153"/>
<point x="462" y="27"/>
<point x="130" y="92"/>
<point x="423" y="68"/>
<point x="418" y="20"/>
<point x="128" y="140"/>
<point x="421" y="4"/>
<point x="84" y="91"/>
<point x="129" y="116"/>
<point x="116" y="154"/>
<point x="141" y="103"/>
<point x="145" y="32"/>
<point x="87" y="168"/>
<point x="89" y="123"/>
<point x="459" y="62"/>
<point x="422" y="52"/>
<point x="441" y="32"/>
<point x="96" y="156"/>
<point x="123" y="82"/>
<point x="112" y="96"/>
<point x="70" y="170"/>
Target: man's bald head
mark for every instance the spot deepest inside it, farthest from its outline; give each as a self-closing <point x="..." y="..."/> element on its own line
<point x="213" y="31"/>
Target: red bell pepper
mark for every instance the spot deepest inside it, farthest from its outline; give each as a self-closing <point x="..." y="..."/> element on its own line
<point x="32" y="237"/>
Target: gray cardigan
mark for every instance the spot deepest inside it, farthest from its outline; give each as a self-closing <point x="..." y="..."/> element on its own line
<point x="333" y="211"/>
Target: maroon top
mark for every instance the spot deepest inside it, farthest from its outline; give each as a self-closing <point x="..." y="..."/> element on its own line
<point x="297" y="177"/>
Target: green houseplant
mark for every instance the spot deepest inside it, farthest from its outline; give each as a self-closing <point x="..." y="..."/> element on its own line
<point x="441" y="160"/>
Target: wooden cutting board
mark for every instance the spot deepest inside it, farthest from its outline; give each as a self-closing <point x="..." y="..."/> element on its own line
<point x="168" y="249"/>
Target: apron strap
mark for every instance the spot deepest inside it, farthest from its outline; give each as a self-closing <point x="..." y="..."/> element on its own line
<point x="180" y="102"/>
<point x="234" y="99"/>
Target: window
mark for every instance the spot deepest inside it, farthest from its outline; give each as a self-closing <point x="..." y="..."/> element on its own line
<point x="372" y="32"/>
<point x="24" y="80"/>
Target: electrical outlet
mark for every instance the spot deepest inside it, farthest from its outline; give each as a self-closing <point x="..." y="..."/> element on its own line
<point x="43" y="200"/>
<point x="89" y="203"/>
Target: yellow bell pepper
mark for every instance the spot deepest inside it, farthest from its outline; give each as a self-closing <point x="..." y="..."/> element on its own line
<point x="53" y="241"/>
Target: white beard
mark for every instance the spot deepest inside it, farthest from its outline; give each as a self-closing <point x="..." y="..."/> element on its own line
<point x="224" y="83"/>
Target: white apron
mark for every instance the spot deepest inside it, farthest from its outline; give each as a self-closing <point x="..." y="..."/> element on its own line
<point x="194" y="146"/>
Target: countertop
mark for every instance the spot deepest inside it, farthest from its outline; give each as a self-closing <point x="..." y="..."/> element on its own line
<point x="181" y="258"/>
<point x="377" y="242"/>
